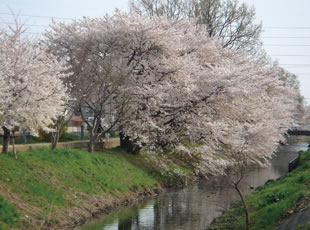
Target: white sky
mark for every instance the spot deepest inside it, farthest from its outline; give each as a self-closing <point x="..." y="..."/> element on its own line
<point x="291" y="43"/>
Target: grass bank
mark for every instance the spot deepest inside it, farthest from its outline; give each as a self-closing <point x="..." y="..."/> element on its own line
<point x="60" y="189"/>
<point x="273" y="202"/>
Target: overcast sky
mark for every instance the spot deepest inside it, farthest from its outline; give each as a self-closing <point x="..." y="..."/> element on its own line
<point x="286" y="25"/>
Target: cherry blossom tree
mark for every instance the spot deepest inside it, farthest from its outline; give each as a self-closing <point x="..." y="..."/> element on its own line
<point x="91" y="48"/>
<point x="108" y="57"/>
<point x="168" y="82"/>
<point x="32" y="89"/>
<point x="234" y="106"/>
<point x="193" y="88"/>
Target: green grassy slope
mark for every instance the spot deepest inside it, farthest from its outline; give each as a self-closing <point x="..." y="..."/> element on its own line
<point x="44" y="188"/>
<point x="272" y="202"/>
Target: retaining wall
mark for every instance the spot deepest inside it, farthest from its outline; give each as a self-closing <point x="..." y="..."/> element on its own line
<point x="107" y="144"/>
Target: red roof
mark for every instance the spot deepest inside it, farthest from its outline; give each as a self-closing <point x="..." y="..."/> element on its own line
<point x="77" y="118"/>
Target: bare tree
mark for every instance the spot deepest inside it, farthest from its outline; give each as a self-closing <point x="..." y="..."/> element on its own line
<point x="167" y="8"/>
<point x="234" y="177"/>
<point x="226" y="19"/>
<point x="59" y="128"/>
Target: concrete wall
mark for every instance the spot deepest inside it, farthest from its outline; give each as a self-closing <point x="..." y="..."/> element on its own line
<point x="107" y="144"/>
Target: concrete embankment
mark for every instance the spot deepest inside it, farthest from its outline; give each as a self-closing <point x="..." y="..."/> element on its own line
<point x="107" y="144"/>
<point x="297" y="220"/>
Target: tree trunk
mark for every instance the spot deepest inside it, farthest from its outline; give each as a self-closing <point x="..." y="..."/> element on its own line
<point x="54" y="139"/>
<point x="245" y="207"/>
<point x="54" y="136"/>
<point x="6" y="140"/>
<point x="82" y="132"/>
<point x="91" y="141"/>
<point x="24" y="136"/>
<point x="127" y="144"/>
<point x="13" y="143"/>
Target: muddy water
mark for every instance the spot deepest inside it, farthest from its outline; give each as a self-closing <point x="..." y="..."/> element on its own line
<point x="194" y="207"/>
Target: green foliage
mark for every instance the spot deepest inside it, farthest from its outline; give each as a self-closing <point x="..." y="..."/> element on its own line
<point x="168" y="168"/>
<point x="8" y="214"/>
<point x="45" y="136"/>
<point x="289" y="79"/>
<point x="301" y="179"/>
<point x="190" y="144"/>
<point x="30" y="140"/>
<point x="303" y="226"/>
<point x="71" y="137"/>
<point x="271" y="202"/>
<point x="274" y="197"/>
<point x="114" y="134"/>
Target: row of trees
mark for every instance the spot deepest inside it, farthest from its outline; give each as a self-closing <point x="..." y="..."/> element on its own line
<point x="160" y="81"/>
<point x="33" y="93"/>
<point x="167" y="81"/>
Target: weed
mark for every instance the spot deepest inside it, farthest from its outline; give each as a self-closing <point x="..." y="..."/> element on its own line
<point x="305" y="226"/>
<point x="8" y="214"/>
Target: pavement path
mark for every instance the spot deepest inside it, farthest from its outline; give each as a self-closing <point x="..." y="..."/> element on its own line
<point x="302" y="217"/>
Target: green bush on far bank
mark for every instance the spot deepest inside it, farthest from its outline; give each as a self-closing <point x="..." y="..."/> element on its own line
<point x="271" y="203"/>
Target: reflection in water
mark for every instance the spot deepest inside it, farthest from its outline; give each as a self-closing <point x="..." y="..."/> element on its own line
<point x="194" y="207"/>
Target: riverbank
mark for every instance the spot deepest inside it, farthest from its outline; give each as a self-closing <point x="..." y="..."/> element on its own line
<point x="272" y="203"/>
<point x="65" y="188"/>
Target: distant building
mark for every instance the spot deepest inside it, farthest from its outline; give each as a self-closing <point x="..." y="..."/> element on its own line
<point x="75" y="124"/>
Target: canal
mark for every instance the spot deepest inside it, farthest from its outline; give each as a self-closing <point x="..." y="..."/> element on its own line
<point x="194" y="207"/>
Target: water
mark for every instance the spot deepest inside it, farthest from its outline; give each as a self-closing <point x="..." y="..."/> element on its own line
<point x="194" y="207"/>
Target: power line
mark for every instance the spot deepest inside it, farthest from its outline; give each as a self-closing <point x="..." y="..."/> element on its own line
<point x="296" y="64"/>
<point x="66" y="18"/>
<point x="31" y="25"/>
<point x="282" y="45"/>
<point x="290" y="55"/>
<point x="287" y="27"/>
<point x="266" y="27"/>
<point x="36" y="16"/>
<point x="278" y="37"/>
